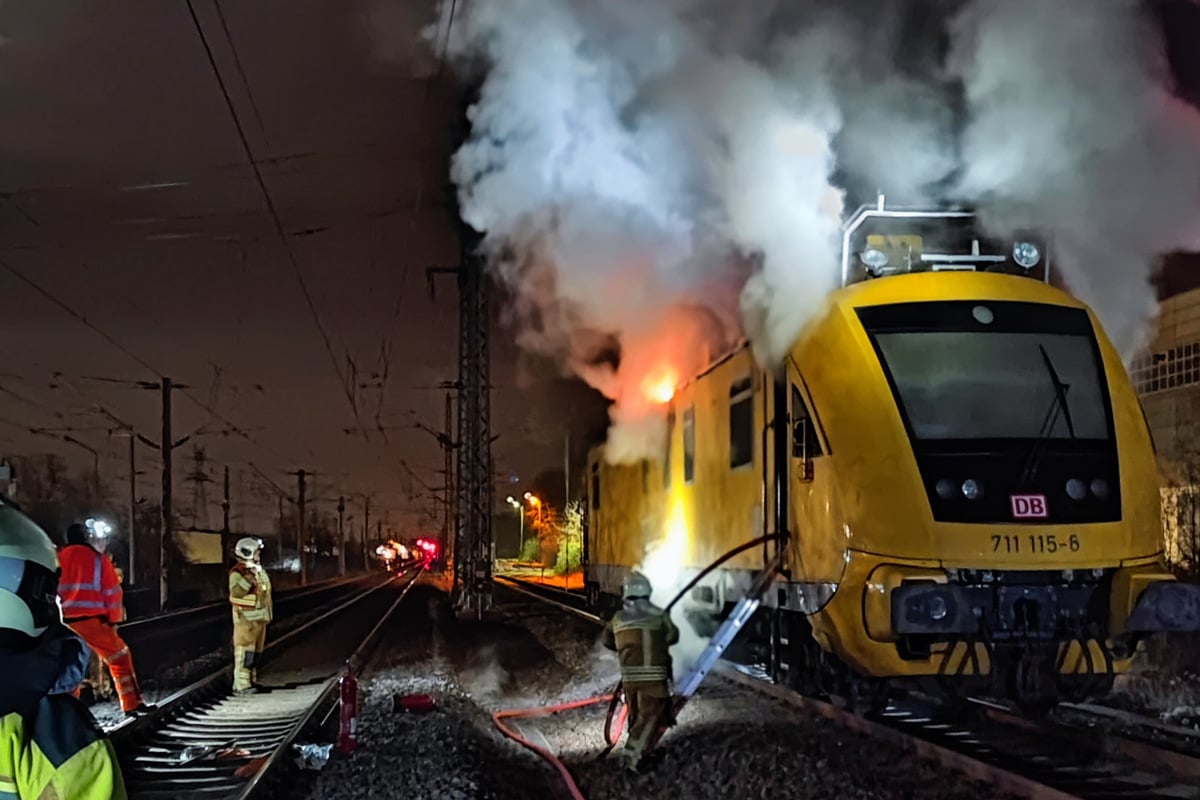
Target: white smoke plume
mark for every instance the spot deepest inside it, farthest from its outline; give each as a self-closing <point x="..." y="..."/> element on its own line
<point x="665" y="177"/>
<point x="1072" y="130"/>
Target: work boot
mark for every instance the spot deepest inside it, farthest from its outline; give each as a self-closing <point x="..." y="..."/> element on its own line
<point x="139" y="711"/>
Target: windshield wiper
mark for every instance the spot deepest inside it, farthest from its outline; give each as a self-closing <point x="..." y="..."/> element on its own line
<point x="1060" y="395"/>
<point x="1059" y="403"/>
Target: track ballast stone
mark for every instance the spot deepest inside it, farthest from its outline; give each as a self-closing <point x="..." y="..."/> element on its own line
<point x="729" y="742"/>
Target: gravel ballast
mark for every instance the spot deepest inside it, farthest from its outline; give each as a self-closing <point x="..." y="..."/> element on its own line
<point x="730" y="742"/>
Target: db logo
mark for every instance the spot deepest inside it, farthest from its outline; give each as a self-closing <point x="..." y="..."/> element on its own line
<point x="1029" y="506"/>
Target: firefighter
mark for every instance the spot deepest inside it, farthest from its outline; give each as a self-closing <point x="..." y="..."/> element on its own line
<point x="250" y="596"/>
<point x="92" y="606"/>
<point x="50" y="746"/>
<point x="642" y="634"/>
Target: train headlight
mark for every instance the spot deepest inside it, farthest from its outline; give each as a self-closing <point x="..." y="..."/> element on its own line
<point x="1100" y="488"/>
<point x="971" y="489"/>
<point x="936" y="607"/>
<point x="1076" y="489"/>
<point x="925" y="607"/>
<point x="945" y="488"/>
<point x="874" y="259"/>
<point x="1026" y="254"/>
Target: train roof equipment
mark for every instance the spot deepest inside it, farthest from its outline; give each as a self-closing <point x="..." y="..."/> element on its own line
<point x="878" y="241"/>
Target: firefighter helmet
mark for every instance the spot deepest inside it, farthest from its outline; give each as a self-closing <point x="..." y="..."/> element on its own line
<point x="636" y="585"/>
<point x="247" y="548"/>
<point x="28" y="575"/>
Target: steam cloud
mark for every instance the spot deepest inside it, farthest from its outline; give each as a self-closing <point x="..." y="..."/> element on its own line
<point x="663" y="178"/>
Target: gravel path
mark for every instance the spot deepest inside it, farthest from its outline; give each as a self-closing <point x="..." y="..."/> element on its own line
<point x="729" y="742"/>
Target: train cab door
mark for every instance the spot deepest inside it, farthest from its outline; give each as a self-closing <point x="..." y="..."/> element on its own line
<point x="817" y="554"/>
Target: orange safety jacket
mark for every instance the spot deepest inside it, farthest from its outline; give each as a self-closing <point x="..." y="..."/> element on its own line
<point x="89" y="586"/>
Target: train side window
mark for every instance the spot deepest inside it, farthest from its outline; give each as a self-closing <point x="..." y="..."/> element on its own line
<point x="595" y="485"/>
<point x="689" y="444"/>
<point x="804" y="430"/>
<point x="741" y="423"/>
<point x="667" y="459"/>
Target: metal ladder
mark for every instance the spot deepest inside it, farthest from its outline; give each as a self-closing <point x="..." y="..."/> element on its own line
<point x="725" y="634"/>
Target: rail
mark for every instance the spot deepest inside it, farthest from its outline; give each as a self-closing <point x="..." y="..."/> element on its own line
<point x="206" y="715"/>
<point x="1029" y="758"/>
<point x="356" y="662"/>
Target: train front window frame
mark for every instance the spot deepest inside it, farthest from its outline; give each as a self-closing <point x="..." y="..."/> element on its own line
<point x="989" y="371"/>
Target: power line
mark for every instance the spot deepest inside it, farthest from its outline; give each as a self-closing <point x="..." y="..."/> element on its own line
<point x="274" y="212"/>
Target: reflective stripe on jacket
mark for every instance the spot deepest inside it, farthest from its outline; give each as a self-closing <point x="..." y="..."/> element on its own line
<point x="89" y="586"/>
<point x="60" y="753"/>
<point x="250" y="593"/>
<point x="642" y="634"/>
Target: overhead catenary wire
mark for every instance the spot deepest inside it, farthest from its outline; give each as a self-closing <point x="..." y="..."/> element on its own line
<point x="275" y="218"/>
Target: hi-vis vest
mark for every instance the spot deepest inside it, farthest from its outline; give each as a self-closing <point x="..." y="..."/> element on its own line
<point x="642" y="634"/>
<point x="250" y="594"/>
<point x="60" y="754"/>
<point x="89" y="585"/>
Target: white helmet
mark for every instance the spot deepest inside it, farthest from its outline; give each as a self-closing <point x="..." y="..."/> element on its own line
<point x="247" y="548"/>
<point x="636" y="585"/>
<point x="28" y="574"/>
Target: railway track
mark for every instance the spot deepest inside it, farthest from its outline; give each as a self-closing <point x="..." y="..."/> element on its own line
<point x="1036" y="759"/>
<point x="203" y="742"/>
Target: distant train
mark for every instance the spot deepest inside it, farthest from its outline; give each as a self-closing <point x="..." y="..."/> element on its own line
<point x="957" y="465"/>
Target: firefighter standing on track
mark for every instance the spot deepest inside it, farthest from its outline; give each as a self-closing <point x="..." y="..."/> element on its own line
<point x="250" y="596"/>
<point x="642" y="634"/>
<point x="50" y="746"/>
<point x="92" y="606"/>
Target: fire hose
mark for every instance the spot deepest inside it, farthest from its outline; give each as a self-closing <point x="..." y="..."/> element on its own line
<point x="611" y="736"/>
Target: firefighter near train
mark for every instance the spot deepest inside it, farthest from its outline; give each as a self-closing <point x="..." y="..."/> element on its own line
<point x="951" y="469"/>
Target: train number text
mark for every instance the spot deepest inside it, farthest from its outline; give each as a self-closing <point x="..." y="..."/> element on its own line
<point x="1034" y="543"/>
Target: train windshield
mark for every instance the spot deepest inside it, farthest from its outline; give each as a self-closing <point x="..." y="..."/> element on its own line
<point x="993" y="370"/>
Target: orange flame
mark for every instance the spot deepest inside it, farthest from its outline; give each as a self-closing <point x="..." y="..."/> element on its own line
<point x="660" y="388"/>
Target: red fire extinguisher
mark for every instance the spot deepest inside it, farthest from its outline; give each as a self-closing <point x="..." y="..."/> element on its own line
<point x="348" y="725"/>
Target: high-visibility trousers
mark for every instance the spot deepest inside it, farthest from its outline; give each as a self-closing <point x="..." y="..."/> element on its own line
<point x="649" y="707"/>
<point x="248" y="641"/>
<point x="107" y="643"/>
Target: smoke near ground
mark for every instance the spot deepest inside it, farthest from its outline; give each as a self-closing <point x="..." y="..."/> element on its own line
<point x="690" y="160"/>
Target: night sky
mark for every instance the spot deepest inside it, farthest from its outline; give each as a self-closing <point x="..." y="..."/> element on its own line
<point x="125" y="195"/>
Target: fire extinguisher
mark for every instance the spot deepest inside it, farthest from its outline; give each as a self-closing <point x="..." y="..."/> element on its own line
<point x="348" y="724"/>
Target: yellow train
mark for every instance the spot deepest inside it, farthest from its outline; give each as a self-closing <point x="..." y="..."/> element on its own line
<point x="956" y="463"/>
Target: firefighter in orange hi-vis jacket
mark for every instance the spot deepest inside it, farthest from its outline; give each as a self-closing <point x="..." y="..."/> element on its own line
<point x="93" y="605"/>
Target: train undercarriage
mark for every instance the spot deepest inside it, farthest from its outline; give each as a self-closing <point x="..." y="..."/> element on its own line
<point x="1032" y="639"/>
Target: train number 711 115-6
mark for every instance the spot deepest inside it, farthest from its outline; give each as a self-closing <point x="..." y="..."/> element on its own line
<point x="1034" y="543"/>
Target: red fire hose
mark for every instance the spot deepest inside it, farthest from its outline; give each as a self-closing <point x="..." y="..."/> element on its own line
<point x="524" y="713"/>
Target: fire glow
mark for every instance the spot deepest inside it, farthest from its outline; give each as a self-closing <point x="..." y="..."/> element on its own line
<point x="659" y="388"/>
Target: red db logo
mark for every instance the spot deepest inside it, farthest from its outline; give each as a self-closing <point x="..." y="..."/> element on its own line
<point x="1029" y="506"/>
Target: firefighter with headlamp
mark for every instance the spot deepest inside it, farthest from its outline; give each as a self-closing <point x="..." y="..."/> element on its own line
<point x="50" y="746"/>
<point x="642" y="634"/>
<point x="250" y="597"/>
<point x="92" y="606"/>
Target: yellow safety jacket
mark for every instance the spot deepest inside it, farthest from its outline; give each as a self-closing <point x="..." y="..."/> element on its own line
<point x="50" y="746"/>
<point x="250" y="593"/>
<point x="642" y="635"/>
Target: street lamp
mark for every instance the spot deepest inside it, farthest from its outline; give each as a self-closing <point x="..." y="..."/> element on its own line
<point x="521" y="515"/>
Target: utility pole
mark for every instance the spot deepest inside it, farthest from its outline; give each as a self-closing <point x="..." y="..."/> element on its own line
<point x="366" y="528"/>
<point x="168" y="518"/>
<point x="225" y="515"/>
<point x="166" y="447"/>
<point x="300" y="527"/>
<point x="448" y="494"/>
<point x="341" y="508"/>
<point x="474" y="479"/>
<point x="132" y="508"/>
